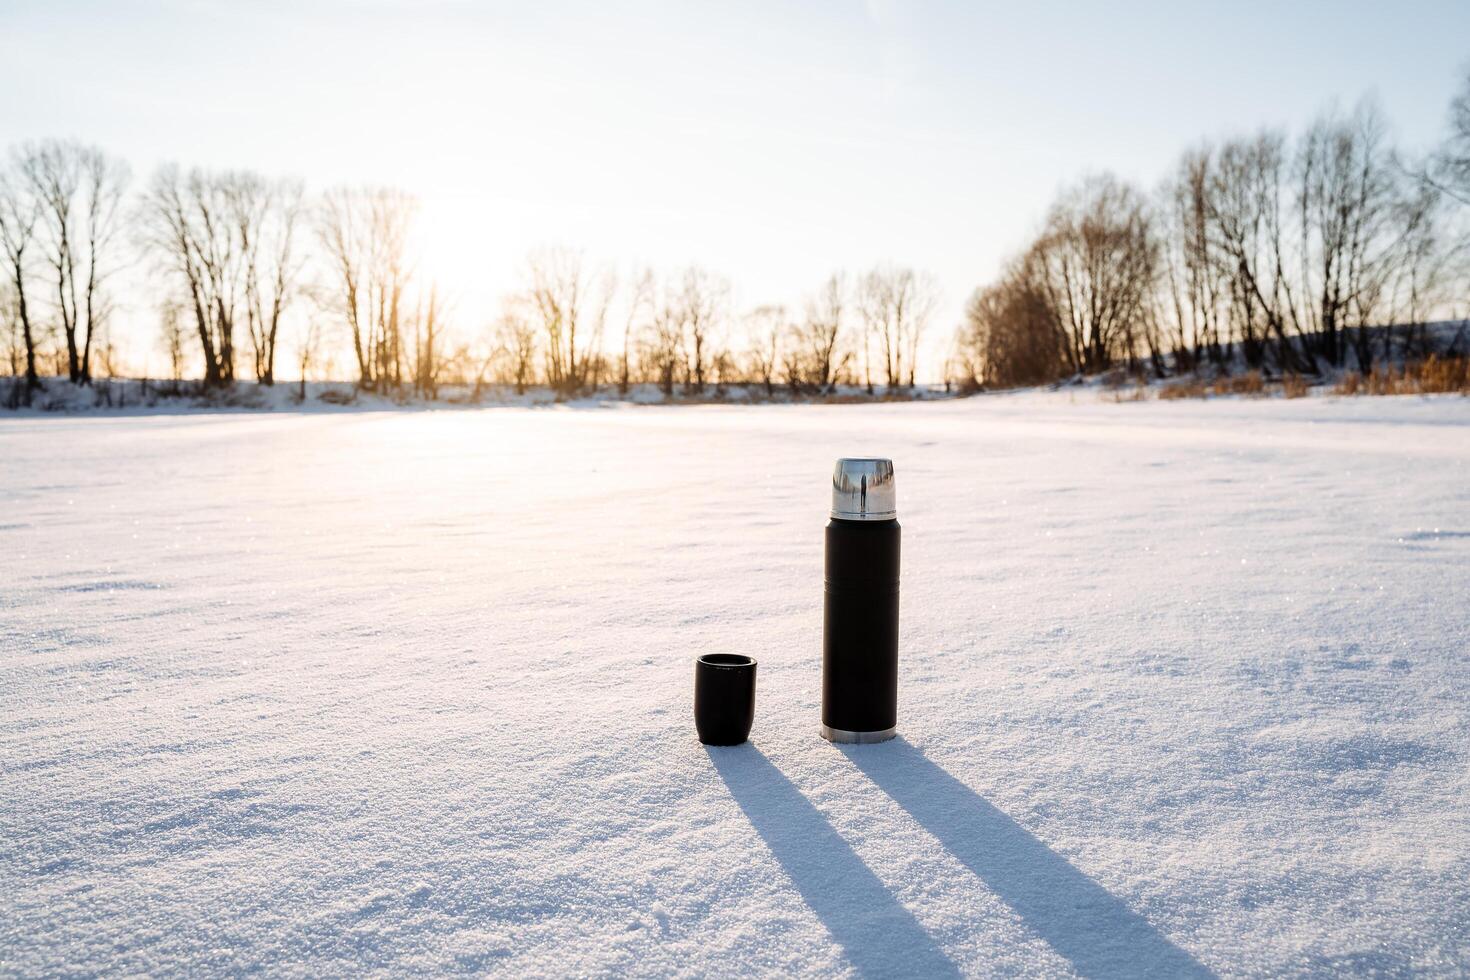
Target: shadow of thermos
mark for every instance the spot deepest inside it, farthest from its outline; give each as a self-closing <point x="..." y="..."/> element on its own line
<point x="860" y="612"/>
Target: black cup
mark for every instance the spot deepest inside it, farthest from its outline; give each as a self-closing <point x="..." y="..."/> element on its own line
<point x="724" y="698"/>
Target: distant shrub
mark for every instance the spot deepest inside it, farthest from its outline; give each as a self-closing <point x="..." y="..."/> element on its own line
<point x="1250" y="383"/>
<point x="1191" y="388"/>
<point x="1442" y="375"/>
<point x="334" y="397"/>
<point x="1432" y="375"/>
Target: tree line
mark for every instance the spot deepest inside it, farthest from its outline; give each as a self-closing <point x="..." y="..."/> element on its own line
<point x="1293" y="254"/>
<point x="1272" y="252"/>
<point x="240" y="259"/>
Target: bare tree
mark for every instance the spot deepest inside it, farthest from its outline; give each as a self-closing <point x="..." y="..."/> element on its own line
<point x="308" y="343"/>
<point x="1248" y="231"/>
<point x="1345" y="200"/>
<point x="80" y="190"/>
<point x="569" y="300"/>
<point x="20" y="210"/>
<point x="765" y="326"/>
<point x="1095" y="264"/>
<point x="1194" y="283"/>
<point x="1421" y="272"/>
<point x="1288" y="250"/>
<point x="10" y="332"/>
<point x="894" y="305"/>
<point x="794" y="370"/>
<point x="874" y="319"/>
<point x="428" y="343"/>
<point x="516" y="336"/>
<point x="702" y="300"/>
<point x="1011" y="335"/>
<point x="1300" y="270"/>
<point x="187" y="226"/>
<point x="173" y="338"/>
<point x="265" y="215"/>
<point x="663" y="342"/>
<point x="821" y="335"/>
<point x="108" y="354"/>
<point x="726" y="368"/>
<point x="365" y="235"/>
<point x="923" y="298"/>
<point x="1449" y="167"/>
<point x="640" y="308"/>
<point x="870" y="326"/>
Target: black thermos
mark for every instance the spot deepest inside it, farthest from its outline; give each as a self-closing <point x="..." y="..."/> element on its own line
<point x="860" y="614"/>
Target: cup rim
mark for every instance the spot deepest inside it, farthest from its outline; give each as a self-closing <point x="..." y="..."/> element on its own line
<point x="726" y="661"/>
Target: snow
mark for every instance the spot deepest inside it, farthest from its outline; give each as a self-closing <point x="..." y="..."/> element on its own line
<point x="1183" y="692"/>
<point x="134" y="397"/>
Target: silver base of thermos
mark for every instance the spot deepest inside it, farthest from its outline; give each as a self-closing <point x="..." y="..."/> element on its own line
<point x="841" y="737"/>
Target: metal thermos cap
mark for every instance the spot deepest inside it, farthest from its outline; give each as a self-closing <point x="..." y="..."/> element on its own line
<point x="863" y="489"/>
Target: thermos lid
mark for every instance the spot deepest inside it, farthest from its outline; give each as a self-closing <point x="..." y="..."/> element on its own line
<point x="863" y="490"/>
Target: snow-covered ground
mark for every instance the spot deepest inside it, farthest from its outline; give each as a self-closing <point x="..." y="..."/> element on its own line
<point x="1184" y="691"/>
<point x="132" y="397"/>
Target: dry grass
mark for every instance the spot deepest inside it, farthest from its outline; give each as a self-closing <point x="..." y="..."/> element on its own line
<point x="1433" y="375"/>
<point x="1191" y="388"/>
<point x="1294" y="386"/>
<point x="1250" y="383"/>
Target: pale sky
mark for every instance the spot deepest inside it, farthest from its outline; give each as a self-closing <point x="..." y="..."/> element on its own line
<point x="771" y="142"/>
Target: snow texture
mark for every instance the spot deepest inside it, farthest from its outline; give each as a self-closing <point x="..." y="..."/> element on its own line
<point x="131" y="397"/>
<point x="1183" y="693"/>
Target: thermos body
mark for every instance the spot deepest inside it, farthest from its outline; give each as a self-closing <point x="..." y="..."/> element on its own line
<point x="860" y="629"/>
<point x="860" y="608"/>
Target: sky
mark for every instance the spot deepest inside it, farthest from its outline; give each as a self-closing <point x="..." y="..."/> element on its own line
<point x="770" y="142"/>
